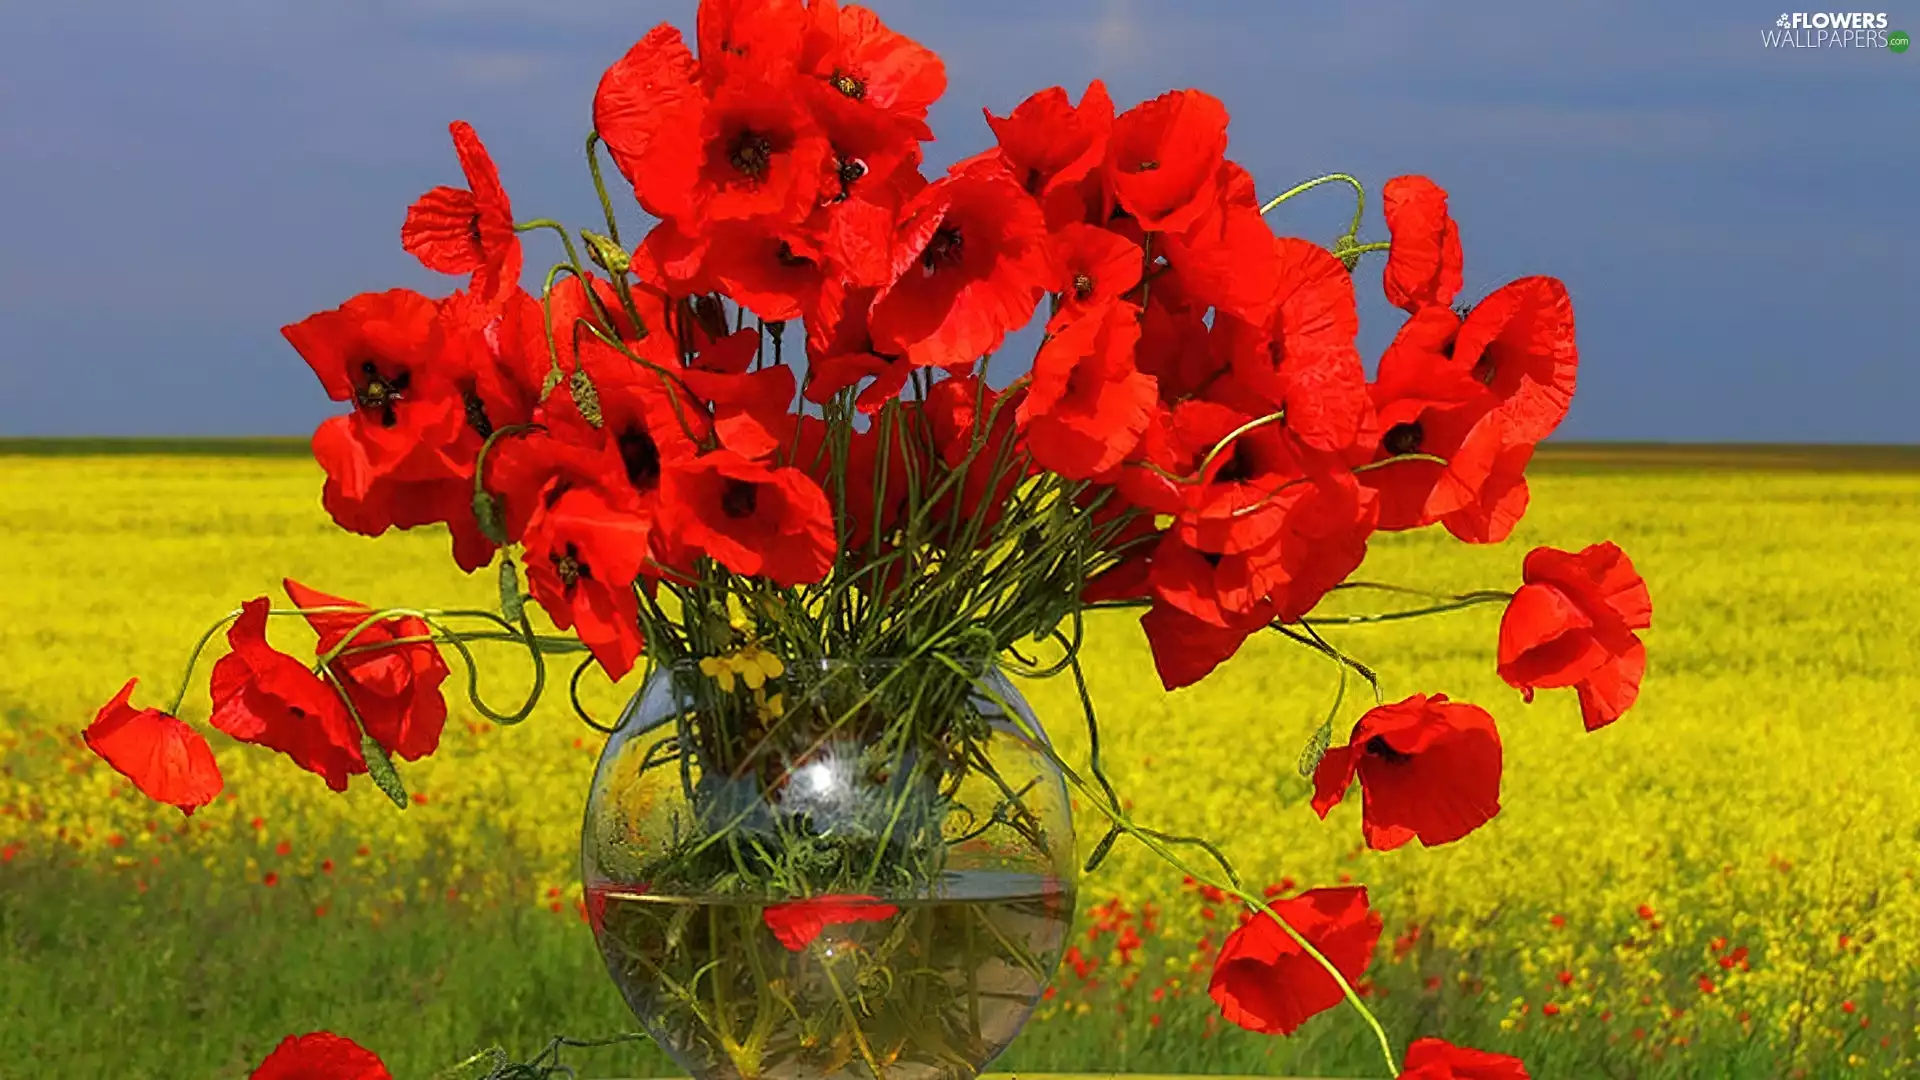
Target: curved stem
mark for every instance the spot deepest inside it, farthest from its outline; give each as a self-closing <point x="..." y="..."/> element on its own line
<point x="1359" y="196"/>
<point x="1414" y="613"/>
<point x="600" y="186"/>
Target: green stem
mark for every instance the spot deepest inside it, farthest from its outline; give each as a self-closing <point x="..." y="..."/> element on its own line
<point x="600" y="186"/>
<point x="1359" y="196"/>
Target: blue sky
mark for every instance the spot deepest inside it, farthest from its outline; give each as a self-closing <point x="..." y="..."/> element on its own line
<point x="1736" y="223"/>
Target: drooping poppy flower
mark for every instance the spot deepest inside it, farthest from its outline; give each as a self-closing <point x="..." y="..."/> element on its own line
<point x="1053" y="147"/>
<point x="1163" y="158"/>
<point x="320" y="1055"/>
<point x="1437" y="1059"/>
<point x="874" y="75"/>
<point x="1429" y="768"/>
<point x="750" y="408"/>
<point x="752" y="518"/>
<point x="970" y="263"/>
<point x="841" y="353"/>
<point x="798" y="922"/>
<point x="265" y="697"/>
<point x="395" y="690"/>
<point x="1186" y="649"/>
<point x="1572" y="624"/>
<point x="1263" y="981"/>
<point x="1098" y="266"/>
<point x="1519" y="342"/>
<point x="162" y="754"/>
<point x="1088" y="405"/>
<point x="583" y="554"/>
<point x="1424" y="264"/>
<point x="467" y="230"/>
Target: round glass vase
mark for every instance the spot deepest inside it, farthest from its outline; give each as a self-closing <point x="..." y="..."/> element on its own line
<point x="858" y="869"/>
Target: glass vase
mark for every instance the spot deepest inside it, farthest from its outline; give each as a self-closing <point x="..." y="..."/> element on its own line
<point x="829" y="869"/>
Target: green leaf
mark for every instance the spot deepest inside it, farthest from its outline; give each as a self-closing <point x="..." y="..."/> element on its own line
<point x="512" y="603"/>
<point x="380" y="768"/>
<point x="1316" y="748"/>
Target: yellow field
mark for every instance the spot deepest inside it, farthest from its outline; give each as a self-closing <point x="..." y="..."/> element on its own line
<point x="1763" y="790"/>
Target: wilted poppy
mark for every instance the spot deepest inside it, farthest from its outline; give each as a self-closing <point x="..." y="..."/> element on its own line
<point x="165" y="757"/>
<point x="1572" y="624"/>
<point x="1265" y="982"/>
<point x="265" y="697"/>
<point x="395" y="689"/>
<point x="468" y="230"/>
<point x="1429" y="768"/>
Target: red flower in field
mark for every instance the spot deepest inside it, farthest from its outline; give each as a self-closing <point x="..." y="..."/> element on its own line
<point x="165" y="758"/>
<point x="1088" y="405"/>
<point x="1053" y="147"/>
<point x="1436" y="1059"/>
<point x="752" y="518"/>
<point x="1424" y="264"/>
<point x="1163" y="158"/>
<point x="1303" y="357"/>
<point x="395" y="689"/>
<point x="467" y="230"/>
<point x="1519" y="342"/>
<point x="1572" y="624"/>
<point x="1263" y="981"/>
<point x="583" y="554"/>
<point x="265" y="697"/>
<point x="970" y="262"/>
<point x="798" y="922"/>
<point x="1428" y="768"/>
<point x="320" y="1055"/>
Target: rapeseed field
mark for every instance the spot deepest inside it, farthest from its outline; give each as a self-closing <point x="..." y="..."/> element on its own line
<point x="1719" y="884"/>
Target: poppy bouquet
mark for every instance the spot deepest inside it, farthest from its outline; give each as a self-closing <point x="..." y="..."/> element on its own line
<point x="763" y="437"/>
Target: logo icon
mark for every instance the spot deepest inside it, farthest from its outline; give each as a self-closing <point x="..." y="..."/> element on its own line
<point x="1784" y="21"/>
<point x="1898" y="41"/>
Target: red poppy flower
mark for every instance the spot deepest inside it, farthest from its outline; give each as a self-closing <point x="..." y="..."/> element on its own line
<point x="745" y="38"/>
<point x="496" y="358"/>
<point x="583" y="554"/>
<point x="1263" y="981"/>
<point x="875" y="75"/>
<point x="750" y="409"/>
<point x="1436" y="1059"/>
<point x="1186" y="649"/>
<point x="1428" y="768"/>
<point x="970" y="262"/>
<point x="1519" y="342"/>
<point x="164" y="756"/>
<point x="841" y="353"/>
<point x="1175" y="347"/>
<point x="776" y="275"/>
<point x="647" y="109"/>
<point x="763" y="155"/>
<point x="1098" y="265"/>
<point x="467" y="230"/>
<point x="394" y="690"/>
<point x="751" y="518"/>
<point x="1052" y="148"/>
<point x="797" y="923"/>
<point x="320" y="1055"/>
<point x="1424" y="264"/>
<point x="1227" y="258"/>
<point x="265" y="697"/>
<point x="1087" y="405"/>
<point x="1303" y="358"/>
<point x="1572" y="624"/>
<point x="1163" y="158"/>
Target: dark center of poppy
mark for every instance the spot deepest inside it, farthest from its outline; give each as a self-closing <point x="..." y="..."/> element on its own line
<point x="786" y="257"/>
<point x="711" y="314"/>
<point x="944" y="249"/>
<point x="851" y="85"/>
<point x="849" y="171"/>
<point x="740" y="499"/>
<point x="751" y="154"/>
<point x="1404" y="438"/>
<point x="1146" y="166"/>
<point x="1378" y="747"/>
<point x="1213" y="558"/>
<point x="1238" y="469"/>
<point x="379" y="393"/>
<point x="1483" y="368"/>
<point x="296" y="712"/>
<point x="568" y="567"/>
<point x="1082" y="286"/>
<point x="473" y="229"/>
<point x="477" y="418"/>
<point x="641" y="456"/>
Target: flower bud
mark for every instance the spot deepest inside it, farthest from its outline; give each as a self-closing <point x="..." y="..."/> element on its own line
<point x="606" y="254"/>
